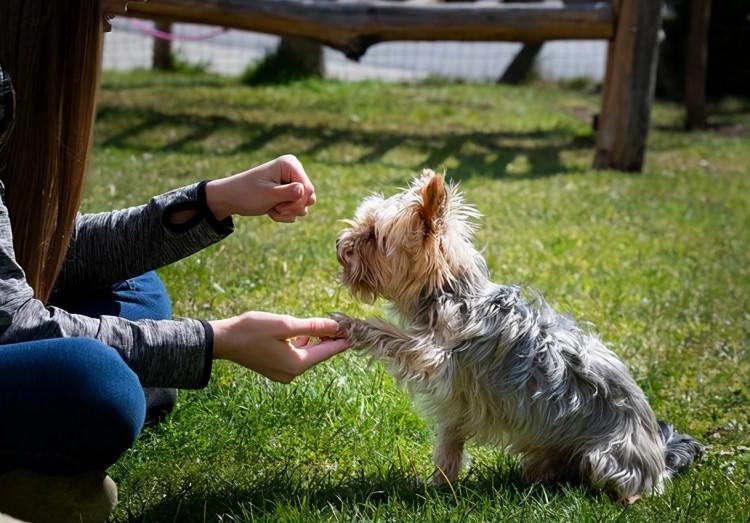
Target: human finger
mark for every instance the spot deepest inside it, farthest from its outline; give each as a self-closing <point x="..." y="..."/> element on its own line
<point x="287" y="192"/>
<point x="301" y="341"/>
<point x="294" y="171"/>
<point x="321" y="351"/>
<point x="281" y="217"/>
<point x="293" y="210"/>
<point x="311" y="199"/>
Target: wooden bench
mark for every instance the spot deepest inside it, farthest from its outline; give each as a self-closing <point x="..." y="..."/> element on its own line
<point x="631" y="27"/>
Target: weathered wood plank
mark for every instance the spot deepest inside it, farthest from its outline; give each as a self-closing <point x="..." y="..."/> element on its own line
<point x="629" y="84"/>
<point x="696" y="63"/>
<point x="162" y="55"/>
<point x="631" y="26"/>
<point x="352" y="27"/>
<point x="522" y="64"/>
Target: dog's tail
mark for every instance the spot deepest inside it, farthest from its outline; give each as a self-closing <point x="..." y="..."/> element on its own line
<point x="681" y="450"/>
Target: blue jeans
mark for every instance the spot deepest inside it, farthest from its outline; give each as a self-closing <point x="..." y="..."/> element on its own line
<point x="69" y="405"/>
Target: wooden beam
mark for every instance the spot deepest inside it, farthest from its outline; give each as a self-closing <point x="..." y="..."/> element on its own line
<point x="352" y="27"/>
<point x="522" y="64"/>
<point x="162" y="55"/>
<point x="695" y="67"/>
<point x="625" y="118"/>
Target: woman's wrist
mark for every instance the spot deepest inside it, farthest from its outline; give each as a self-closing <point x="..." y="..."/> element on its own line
<point x="217" y="204"/>
<point x="219" y="338"/>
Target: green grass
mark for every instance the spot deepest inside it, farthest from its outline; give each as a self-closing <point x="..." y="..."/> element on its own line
<point x="658" y="261"/>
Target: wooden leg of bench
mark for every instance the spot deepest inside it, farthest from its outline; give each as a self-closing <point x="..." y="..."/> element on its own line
<point x="629" y="84"/>
<point x="697" y="58"/>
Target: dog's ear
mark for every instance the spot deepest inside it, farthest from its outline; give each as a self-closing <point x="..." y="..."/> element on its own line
<point x="433" y="200"/>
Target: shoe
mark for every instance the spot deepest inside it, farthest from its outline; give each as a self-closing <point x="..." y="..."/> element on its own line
<point x="159" y="403"/>
<point x="84" y="498"/>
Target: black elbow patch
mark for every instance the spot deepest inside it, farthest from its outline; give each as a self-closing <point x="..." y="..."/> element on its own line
<point x="202" y="212"/>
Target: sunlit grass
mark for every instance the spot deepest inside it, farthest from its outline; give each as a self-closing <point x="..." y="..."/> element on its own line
<point x="657" y="261"/>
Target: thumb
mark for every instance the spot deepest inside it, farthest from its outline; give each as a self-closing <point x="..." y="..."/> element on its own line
<point x="290" y="192"/>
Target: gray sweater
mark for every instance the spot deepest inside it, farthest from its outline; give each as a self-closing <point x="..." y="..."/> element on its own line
<point x="108" y="248"/>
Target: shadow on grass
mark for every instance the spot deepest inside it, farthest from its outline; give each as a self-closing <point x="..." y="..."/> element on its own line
<point x="727" y="117"/>
<point x="393" y="491"/>
<point x="146" y="79"/>
<point x="489" y="154"/>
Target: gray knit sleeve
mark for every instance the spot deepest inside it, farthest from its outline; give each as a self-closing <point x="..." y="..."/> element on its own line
<point x="164" y="353"/>
<point x="167" y="353"/>
<point x="110" y="247"/>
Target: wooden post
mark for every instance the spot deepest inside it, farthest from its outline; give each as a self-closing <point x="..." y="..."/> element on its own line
<point x="625" y="117"/>
<point x="522" y="64"/>
<point x="306" y="54"/>
<point x="162" y="57"/>
<point x="695" y="66"/>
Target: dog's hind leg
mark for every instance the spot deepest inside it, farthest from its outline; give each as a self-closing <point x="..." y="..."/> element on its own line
<point x="449" y="454"/>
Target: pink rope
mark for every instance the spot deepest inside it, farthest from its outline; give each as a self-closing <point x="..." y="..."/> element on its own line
<point x="146" y="28"/>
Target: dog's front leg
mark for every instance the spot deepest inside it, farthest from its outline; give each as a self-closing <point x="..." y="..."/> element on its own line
<point x="379" y="337"/>
<point x="410" y="357"/>
<point x="449" y="454"/>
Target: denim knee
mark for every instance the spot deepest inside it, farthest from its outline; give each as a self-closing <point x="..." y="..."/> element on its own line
<point x="70" y="404"/>
<point x="143" y="297"/>
<point x="147" y="299"/>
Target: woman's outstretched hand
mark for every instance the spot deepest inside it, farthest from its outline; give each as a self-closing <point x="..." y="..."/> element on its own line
<point x="279" y="188"/>
<point x="279" y="347"/>
<point x="274" y="345"/>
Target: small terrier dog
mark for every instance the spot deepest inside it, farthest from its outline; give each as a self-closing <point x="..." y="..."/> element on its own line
<point x="491" y="364"/>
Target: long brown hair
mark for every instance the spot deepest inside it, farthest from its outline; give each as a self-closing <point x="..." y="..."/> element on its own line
<point x="53" y="53"/>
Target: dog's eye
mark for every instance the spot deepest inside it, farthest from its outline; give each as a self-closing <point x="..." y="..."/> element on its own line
<point x="372" y="236"/>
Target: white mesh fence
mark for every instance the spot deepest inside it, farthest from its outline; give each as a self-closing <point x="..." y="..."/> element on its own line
<point x="230" y="52"/>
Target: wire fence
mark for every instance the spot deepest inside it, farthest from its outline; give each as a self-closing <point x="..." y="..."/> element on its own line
<point x="230" y="52"/>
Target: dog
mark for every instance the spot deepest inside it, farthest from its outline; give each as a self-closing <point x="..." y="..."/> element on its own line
<point x="491" y="363"/>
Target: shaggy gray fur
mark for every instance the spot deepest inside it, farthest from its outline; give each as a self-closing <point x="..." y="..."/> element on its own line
<point x="491" y="364"/>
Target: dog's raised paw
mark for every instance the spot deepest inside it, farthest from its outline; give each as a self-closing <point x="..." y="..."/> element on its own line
<point x="345" y="324"/>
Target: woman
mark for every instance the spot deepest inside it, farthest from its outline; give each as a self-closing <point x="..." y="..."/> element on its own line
<point x="84" y="321"/>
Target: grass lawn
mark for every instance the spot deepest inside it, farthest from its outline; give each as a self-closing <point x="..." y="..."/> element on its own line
<point x="657" y="261"/>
